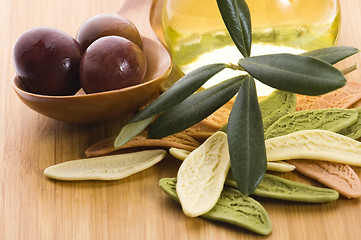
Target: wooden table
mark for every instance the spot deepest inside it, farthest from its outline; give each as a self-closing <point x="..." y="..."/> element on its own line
<point x="34" y="207"/>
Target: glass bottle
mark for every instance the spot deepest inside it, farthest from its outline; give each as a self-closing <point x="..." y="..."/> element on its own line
<point x="196" y="35"/>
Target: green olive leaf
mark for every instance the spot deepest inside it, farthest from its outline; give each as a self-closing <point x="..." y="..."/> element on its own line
<point x="274" y="106"/>
<point x="294" y="73"/>
<point x="332" y="55"/>
<point x="131" y="130"/>
<point x="237" y="18"/>
<point x="195" y="108"/>
<point x="180" y="90"/>
<point x="246" y="140"/>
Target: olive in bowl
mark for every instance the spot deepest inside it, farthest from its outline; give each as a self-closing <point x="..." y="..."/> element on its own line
<point x="111" y="63"/>
<point x="47" y="61"/>
<point x="106" y="24"/>
<point x="103" y="106"/>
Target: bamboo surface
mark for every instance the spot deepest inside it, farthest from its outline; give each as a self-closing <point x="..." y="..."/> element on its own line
<point x="34" y="207"/>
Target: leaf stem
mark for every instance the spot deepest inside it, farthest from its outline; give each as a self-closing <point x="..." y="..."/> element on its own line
<point x="349" y="69"/>
<point x="235" y="67"/>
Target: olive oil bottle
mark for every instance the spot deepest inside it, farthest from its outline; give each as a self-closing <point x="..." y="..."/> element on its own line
<point x="196" y="35"/>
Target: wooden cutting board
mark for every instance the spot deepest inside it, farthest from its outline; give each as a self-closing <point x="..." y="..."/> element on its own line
<point x="34" y="207"/>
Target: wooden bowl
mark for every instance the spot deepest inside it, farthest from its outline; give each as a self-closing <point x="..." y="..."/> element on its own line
<point x="84" y="108"/>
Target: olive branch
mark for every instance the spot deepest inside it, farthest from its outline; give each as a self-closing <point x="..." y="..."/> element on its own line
<point x="182" y="105"/>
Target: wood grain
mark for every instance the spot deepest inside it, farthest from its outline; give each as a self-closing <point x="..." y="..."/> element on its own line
<point x="34" y="207"/>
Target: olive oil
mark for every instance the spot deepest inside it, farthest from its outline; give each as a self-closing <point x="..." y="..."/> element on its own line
<point x="196" y="35"/>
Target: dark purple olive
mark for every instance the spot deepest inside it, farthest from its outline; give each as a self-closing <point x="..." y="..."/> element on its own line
<point x="102" y="25"/>
<point x="111" y="63"/>
<point x="47" y="61"/>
